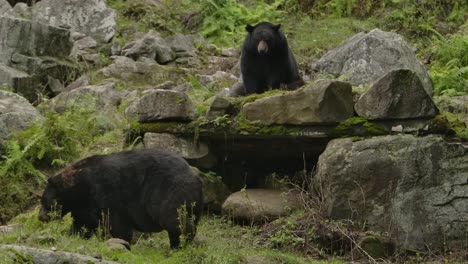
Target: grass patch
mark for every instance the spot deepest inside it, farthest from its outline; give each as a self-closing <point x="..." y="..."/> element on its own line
<point x="218" y="241"/>
<point x="356" y="127"/>
<point x="312" y="38"/>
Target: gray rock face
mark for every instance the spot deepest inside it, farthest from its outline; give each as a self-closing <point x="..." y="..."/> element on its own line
<point x="45" y="256"/>
<point x="221" y="106"/>
<point x="185" y="148"/>
<point x="260" y="204"/>
<point x="142" y="72"/>
<point x="151" y="46"/>
<point x="157" y="105"/>
<point x="85" y="43"/>
<point x="16" y="113"/>
<point x="91" y="17"/>
<point x="398" y="95"/>
<point x="365" y="58"/>
<point x="323" y="102"/>
<point x="457" y="105"/>
<point x="32" y="39"/>
<point x="96" y="96"/>
<point x="12" y="79"/>
<point x="4" y="7"/>
<point x="414" y="188"/>
<point x="32" y="54"/>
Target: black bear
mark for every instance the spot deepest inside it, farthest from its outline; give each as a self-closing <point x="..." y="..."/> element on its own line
<point x="267" y="61"/>
<point x="146" y="190"/>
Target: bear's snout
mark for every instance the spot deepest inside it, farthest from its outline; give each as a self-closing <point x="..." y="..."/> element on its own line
<point x="262" y="47"/>
<point x="44" y="215"/>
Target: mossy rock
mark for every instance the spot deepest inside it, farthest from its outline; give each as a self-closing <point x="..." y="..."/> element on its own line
<point x="357" y="126"/>
<point x="373" y="246"/>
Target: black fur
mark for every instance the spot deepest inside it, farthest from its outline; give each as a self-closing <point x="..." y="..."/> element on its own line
<point x="138" y="189"/>
<point x="267" y="61"/>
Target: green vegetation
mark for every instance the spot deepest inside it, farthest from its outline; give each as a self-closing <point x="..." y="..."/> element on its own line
<point x="357" y="126"/>
<point x="449" y="72"/>
<point x="59" y="140"/>
<point x="218" y="241"/>
<point x="224" y="21"/>
<point x="436" y="28"/>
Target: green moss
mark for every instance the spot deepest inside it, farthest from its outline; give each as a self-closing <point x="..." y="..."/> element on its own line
<point x="449" y="124"/>
<point x="218" y="241"/>
<point x="357" y="126"/>
<point x="250" y="98"/>
<point x="165" y="127"/>
<point x="373" y="246"/>
<point x="251" y="127"/>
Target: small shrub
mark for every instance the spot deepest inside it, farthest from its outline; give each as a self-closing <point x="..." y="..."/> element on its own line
<point x="224" y="21"/>
<point x="59" y="140"/>
<point x="449" y="72"/>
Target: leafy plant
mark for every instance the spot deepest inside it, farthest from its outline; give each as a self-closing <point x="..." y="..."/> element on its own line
<point x="224" y="21"/>
<point x="60" y="139"/>
<point x="450" y="70"/>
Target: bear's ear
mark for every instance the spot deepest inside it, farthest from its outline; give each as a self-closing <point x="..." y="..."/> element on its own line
<point x="276" y="27"/>
<point x="249" y="28"/>
<point x="53" y="181"/>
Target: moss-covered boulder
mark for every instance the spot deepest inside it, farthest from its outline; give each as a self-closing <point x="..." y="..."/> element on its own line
<point x="323" y="102"/>
<point x="414" y="188"/>
<point x="399" y="94"/>
<point x="161" y="105"/>
<point x="259" y="205"/>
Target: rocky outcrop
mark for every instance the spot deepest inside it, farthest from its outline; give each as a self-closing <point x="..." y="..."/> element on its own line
<point x="185" y="148"/>
<point x="323" y="102"/>
<point x="20" y="36"/>
<point x="150" y="46"/>
<point x="144" y="72"/>
<point x="45" y="256"/>
<point x="414" y="188"/>
<point x="32" y="55"/>
<point x="259" y="205"/>
<point x="397" y="95"/>
<point x="366" y="57"/>
<point x="457" y="105"/>
<point x="16" y="113"/>
<point x="158" y="105"/>
<point x="92" y="96"/>
<point x="4" y="7"/>
<point x="90" y="17"/>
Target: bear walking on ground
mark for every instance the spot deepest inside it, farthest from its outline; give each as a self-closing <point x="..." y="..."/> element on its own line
<point x="146" y="190"/>
<point x="267" y="61"/>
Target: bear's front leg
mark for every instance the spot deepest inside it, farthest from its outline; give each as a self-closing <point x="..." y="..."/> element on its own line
<point x="85" y="222"/>
<point x="121" y="226"/>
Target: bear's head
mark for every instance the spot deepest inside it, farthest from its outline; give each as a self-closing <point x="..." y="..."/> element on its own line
<point x="266" y="37"/>
<point x="57" y="193"/>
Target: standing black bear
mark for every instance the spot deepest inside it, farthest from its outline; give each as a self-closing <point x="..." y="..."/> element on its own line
<point x="267" y="61"/>
<point x="137" y="189"/>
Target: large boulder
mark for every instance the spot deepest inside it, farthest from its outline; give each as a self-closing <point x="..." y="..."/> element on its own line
<point x="144" y="72"/>
<point x="414" y="188"/>
<point x="91" y="17"/>
<point x="13" y="79"/>
<point x="46" y="256"/>
<point x="16" y="114"/>
<point x="4" y="7"/>
<point x="366" y="57"/>
<point x="95" y="96"/>
<point x="32" y="39"/>
<point x="397" y="95"/>
<point x="260" y="205"/>
<point x="185" y="148"/>
<point x="161" y="105"/>
<point x="32" y="55"/>
<point x="150" y="46"/>
<point x="322" y="102"/>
